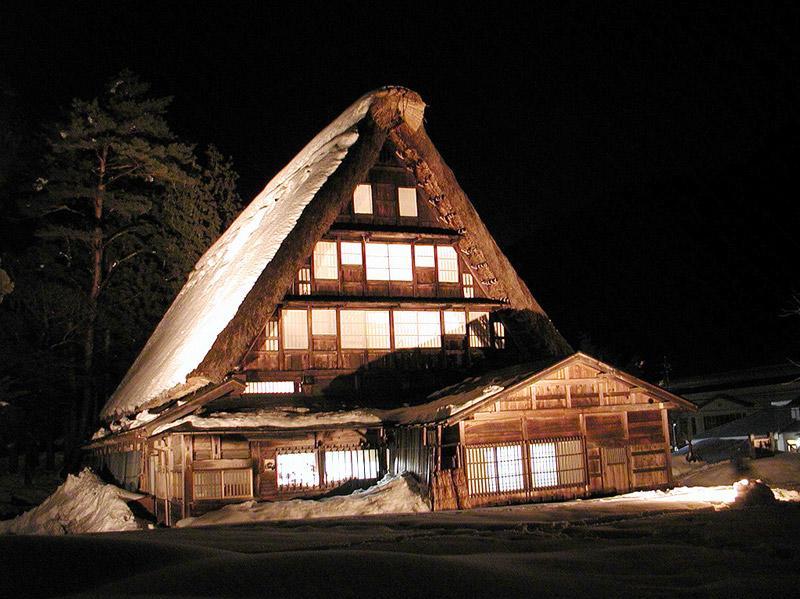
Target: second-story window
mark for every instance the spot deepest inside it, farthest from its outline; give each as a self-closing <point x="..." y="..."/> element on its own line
<point x="388" y="262"/>
<point x="455" y="323"/>
<point x="424" y="256"/>
<point x="478" y="329"/>
<point x="295" y="329"/>
<point x="272" y="335"/>
<point x="362" y="199"/>
<point x="364" y="329"/>
<point x="351" y="253"/>
<point x="323" y="321"/>
<point x="304" y="281"/>
<point x="417" y="328"/>
<point x="325" y="263"/>
<point x="407" y="201"/>
<point x="447" y="263"/>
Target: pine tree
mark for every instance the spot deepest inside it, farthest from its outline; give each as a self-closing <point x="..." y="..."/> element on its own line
<point x="110" y="165"/>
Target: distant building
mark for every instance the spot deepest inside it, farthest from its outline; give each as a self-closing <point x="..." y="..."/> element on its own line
<point x="759" y="405"/>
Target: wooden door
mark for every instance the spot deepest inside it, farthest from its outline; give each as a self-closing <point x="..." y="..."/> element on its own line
<point x="615" y="469"/>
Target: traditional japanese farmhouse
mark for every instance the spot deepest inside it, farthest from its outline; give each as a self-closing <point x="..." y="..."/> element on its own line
<point x="358" y="319"/>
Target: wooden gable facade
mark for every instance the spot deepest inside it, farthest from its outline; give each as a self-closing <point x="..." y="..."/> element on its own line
<point x="576" y="429"/>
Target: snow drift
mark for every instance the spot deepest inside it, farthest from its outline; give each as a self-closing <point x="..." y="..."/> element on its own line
<point x="82" y="504"/>
<point x="397" y="494"/>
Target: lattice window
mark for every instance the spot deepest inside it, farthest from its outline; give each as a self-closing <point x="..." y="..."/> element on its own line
<point x="557" y="463"/>
<point x="350" y="464"/>
<point x="362" y="199"/>
<point x="297" y="470"/>
<point x="295" y="329"/>
<point x="280" y="387"/>
<point x="229" y="483"/>
<point x="448" y="264"/>
<point x="365" y="329"/>
<point x="272" y="335"/>
<point x="494" y="469"/>
<point x="417" y="328"/>
<point x="478" y="329"/>
<point x="325" y="264"/>
<point x="388" y="262"/>
<point x="304" y="281"/>
<point x="499" y="331"/>
<point x="424" y="256"/>
<point x="351" y="253"/>
<point x="455" y="323"/>
<point x="407" y="200"/>
<point x="323" y="321"/>
<point x="468" y="284"/>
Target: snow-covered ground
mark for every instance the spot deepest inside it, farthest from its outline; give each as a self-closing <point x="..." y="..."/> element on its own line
<point x="82" y="504"/>
<point x="392" y="495"/>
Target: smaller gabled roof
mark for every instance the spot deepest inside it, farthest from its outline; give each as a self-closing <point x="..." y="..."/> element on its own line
<point x="458" y="401"/>
<point x="763" y="422"/>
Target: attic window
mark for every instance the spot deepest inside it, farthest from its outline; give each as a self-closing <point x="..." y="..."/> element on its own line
<point x="468" y="283"/>
<point x="424" y="256"/>
<point x="448" y="264"/>
<point x="304" y="281"/>
<point x="388" y="262"/>
<point x="295" y="329"/>
<point x="362" y="199"/>
<point x="272" y="336"/>
<point x="407" y="199"/>
<point x="325" y="264"/>
<point x="351" y="253"/>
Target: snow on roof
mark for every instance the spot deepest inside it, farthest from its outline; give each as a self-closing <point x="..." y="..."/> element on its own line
<point x="770" y="420"/>
<point x="285" y="417"/>
<point x="228" y="270"/>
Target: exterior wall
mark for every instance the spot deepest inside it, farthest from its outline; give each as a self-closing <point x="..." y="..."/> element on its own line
<point x="576" y="434"/>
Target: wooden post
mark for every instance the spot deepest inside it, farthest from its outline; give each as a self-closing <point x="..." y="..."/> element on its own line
<point x="667" y="448"/>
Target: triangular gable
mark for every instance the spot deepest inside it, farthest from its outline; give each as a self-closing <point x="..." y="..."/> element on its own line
<point x="236" y="285"/>
<point x="459" y="401"/>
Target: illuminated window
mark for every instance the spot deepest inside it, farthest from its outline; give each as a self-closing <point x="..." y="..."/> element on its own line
<point x="416" y="328"/>
<point x="295" y="329"/>
<point x="365" y="329"/>
<point x="448" y="264"/>
<point x="494" y="469"/>
<point x="272" y="335"/>
<point x="423" y="256"/>
<point x="353" y="464"/>
<point x="388" y="262"/>
<point x="325" y="266"/>
<point x="351" y="253"/>
<point x="499" y="334"/>
<point x="362" y="199"/>
<point x="323" y="321"/>
<point x="268" y="387"/>
<point x="407" y="198"/>
<point x="468" y="284"/>
<point x="455" y="323"/>
<point x="478" y="329"/>
<point x="297" y="470"/>
<point x="557" y="463"/>
<point x="304" y="278"/>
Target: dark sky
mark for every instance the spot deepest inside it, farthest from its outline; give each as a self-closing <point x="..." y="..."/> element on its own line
<point x="639" y="166"/>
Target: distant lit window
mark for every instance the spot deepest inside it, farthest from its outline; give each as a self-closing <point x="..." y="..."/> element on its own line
<point x="388" y="262"/>
<point x="295" y="329"/>
<point x="448" y="264"/>
<point x="407" y="198"/>
<point x="272" y="335"/>
<point x="417" y="328"/>
<point x="468" y="283"/>
<point x="478" y="329"/>
<point x="351" y="253"/>
<point x="424" y="256"/>
<point x="268" y="387"/>
<point x="323" y="321"/>
<point x="362" y="199"/>
<point x="364" y="329"/>
<point x="297" y="469"/>
<point x="455" y="323"/>
<point x="325" y="266"/>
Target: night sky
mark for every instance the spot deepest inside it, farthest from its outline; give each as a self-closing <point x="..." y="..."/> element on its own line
<point x="638" y="166"/>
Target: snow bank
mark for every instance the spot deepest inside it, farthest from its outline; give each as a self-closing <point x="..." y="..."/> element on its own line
<point x="82" y="504"/>
<point x="719" y="496"/>
<point x="397" y="494"/>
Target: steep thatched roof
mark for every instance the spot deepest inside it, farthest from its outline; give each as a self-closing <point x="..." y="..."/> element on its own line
<point x="238" y="282"/>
